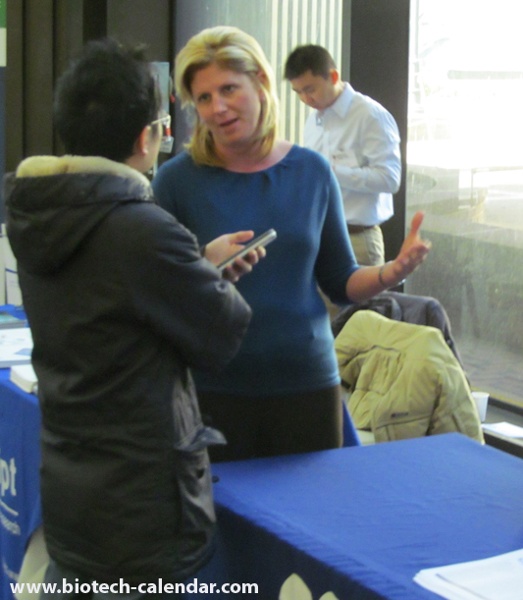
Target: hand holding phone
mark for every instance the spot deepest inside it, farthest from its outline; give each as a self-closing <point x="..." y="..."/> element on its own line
<point x="261" y="240"/>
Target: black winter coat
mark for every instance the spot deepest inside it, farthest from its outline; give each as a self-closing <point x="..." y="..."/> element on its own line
<point x="120" y="303"/>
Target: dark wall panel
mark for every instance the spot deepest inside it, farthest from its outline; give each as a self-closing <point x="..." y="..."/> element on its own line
<point x="38" y="76"/>
<point x="14" y="97"/>
<point x="139" y="22"/>
<point x="42" y="37"/>
<point x="379" y="62"/>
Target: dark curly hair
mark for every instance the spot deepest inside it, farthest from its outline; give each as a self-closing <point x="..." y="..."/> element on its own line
<point x="104" y="100"/>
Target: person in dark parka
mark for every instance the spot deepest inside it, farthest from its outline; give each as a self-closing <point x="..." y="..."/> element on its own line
<point x="121" y="303"/>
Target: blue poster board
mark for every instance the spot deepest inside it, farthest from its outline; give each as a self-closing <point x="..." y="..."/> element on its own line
<point x="3" y="60"/>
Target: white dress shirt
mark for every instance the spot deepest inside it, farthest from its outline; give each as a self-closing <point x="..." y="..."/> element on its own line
<point x="360" y="139"/>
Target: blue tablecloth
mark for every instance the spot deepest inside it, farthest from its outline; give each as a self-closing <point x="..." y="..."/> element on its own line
<point x="19" y="481"/>
<point x="361" y="522"/>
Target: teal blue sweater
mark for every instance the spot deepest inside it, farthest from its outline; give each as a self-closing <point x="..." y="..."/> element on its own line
<point x="289" y="345"/>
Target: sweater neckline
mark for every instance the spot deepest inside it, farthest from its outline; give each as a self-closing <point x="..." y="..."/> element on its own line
<point x="281" y="163"/>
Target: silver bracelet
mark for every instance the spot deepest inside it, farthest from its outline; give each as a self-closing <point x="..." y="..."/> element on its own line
<point x="380" y="276"/>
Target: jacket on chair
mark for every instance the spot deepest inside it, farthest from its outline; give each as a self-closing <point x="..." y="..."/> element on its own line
<point x="409" y="308"/>
<point x="404" y="380"/>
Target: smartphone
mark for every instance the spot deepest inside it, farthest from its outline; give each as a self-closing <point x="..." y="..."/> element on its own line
<point x="261" y="240"/>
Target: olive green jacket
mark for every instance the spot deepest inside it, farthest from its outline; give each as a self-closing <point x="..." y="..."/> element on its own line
<point x="404" y="380"/>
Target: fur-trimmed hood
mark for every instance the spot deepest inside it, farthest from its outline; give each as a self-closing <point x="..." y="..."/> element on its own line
<point x="53" y="204"/>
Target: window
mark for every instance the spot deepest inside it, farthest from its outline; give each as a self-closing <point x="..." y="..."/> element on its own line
<point x="465" y="170"/>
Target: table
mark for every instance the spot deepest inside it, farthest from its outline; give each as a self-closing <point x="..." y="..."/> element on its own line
<point x="19" y="463"/>
<point x="358" y="522"/>
<point x="361" y="522"/>
<point x="19" y="482"/>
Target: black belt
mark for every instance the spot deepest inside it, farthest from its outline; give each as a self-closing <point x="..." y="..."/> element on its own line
<point x="359" y="228"/>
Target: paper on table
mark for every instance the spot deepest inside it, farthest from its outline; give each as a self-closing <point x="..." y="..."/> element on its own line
<point x="504" y="428"/>
<point x="496" y="578"/>
<point x="24" y="377"/>
<point x="16" y="346"/>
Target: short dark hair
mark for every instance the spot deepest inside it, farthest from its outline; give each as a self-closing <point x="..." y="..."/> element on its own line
<point x="104" y="100"/>
<point x="308" y="58"/>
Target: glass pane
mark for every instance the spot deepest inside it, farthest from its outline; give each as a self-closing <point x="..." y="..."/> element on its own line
<point x="465" y="170"/>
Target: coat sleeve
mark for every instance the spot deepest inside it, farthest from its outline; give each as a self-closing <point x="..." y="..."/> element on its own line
<point x="182" y="295"/>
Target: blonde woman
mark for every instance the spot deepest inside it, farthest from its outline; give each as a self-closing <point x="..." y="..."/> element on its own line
<point x="281" y="393"/>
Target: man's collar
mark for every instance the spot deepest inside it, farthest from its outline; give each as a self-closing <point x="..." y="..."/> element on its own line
<point x="340" y="106"/>
<point x="342" y="103"/>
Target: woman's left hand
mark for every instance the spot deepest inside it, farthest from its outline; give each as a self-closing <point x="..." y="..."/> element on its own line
<point x="412" y="253"/>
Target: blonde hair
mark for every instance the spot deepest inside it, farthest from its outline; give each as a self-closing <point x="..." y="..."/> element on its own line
<point x="232" y="49"/>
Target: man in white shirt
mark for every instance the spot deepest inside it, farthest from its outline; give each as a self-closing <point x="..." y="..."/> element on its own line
<point x="359" y="138"/>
